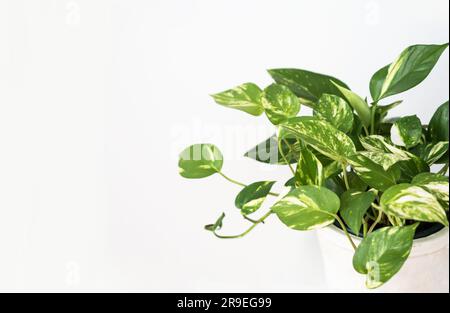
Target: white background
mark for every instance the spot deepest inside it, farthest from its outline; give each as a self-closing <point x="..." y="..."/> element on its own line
<point x="98" y="96"/>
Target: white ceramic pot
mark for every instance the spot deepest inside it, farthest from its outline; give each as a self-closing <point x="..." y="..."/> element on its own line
<point x="426" y="270"/>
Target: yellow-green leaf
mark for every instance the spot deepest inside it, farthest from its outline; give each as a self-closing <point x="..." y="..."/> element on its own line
<point x="321" y="135"/>
<point x="280" y="103"/>
<point x="414" y="203"/>
<point x="382" y="254"/>
<point x="335" y="111"/>
<point x="246" y="97"/>
<point x="250" y="199"/>
<point x="199" y="161"/>
<point x="307" y="207"/>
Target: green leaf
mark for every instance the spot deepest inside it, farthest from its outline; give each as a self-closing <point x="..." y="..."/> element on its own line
<point x="199" y="161"/>
<point x="409" y="164"/>
<point x="307" y="207"/>
<point x="280" y="103"/>
<point x="321" y="135"/>
<point x="250" y="199"/>
<point x="412" y="202"/>
<point x="267" y="151"/>
<point x="382" y="110"/>
<point x="377" y="81"/>
<point x="356" y="183"/>
<point x="246" y="97"/>
<point x="335" y="184"/>
<point x="412" y="66"/>
<point x="305" y="84"/>
<point x="359" y="105"/>
<point x="332" y="169"/>
<point x="354" y="205"/>
<point x="335" y="111"/>
<point x="435" y="184"/>
<point x="309" y="169"/>
<point x="372" y="173"/>
<point x="407" y="131"/>
<point x="382" y="253"/>
<point x="217" y="225"/>
<point x="438" y="126"/>
<point x="432" y="153"/>
<point x="386" y="160"/>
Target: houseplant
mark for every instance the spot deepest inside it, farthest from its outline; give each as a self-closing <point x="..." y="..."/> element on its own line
<point x="352" y="166"/>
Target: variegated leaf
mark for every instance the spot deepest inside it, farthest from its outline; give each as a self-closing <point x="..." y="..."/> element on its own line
<point x="433" y="152"/>
<point x="321" y="135"/>
<point x="305" y="84"/>
<point x="250" y="199"/>
<point x="407" y="131"/>
<point x="407" y="71"/>
<point x="354" y="205"/>
<point x="414" y="203"/>
<point x="280" y="103"/>
<point x="199" y="161"/>
<point x="372" y="173"/>
<point x="435" y="184"/>
<point x="309" y="169"/>
<point x="246" y="97"/>
<point x="335" y="111"/>
<point x="382" y="254"/>
<point x="307" y="207"/>
<point x="386" y="160"/>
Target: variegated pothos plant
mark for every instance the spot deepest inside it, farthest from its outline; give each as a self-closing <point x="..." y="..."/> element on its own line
<point x="351" y="165"/>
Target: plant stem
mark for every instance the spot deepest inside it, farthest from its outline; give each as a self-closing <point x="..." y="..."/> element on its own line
<point x="232" y="180"/>
<point x="280" y="148"/>
<point x="250" y="220"/>
<point x="373" y="112"/>
<point x="365" y="227"/>
<point x="344" y="173"/>
<point x="344" y="229"/>
<point x="380" y="215"/>
<point x="242" y="184"/>
<point x="256" y="223"/>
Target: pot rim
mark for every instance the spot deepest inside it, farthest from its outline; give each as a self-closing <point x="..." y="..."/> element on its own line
<point x="421" y="246"/>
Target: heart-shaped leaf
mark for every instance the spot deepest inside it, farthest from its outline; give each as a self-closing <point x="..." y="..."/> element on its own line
<point x="412" y="202"/>
<point x="354" y="205"/>
<point x="372" y="173"/>
<point x="435" y="184"/>
<point x="280" y="103"/>
<point x="321" y="135"/>
<point x="382" y="253"/>
<point x="335" y="111"/>
<point x="307" y="207"/>
<point x="409" y="164"/>
<point x="268" y="152"/>
<point x="407" y="131"/>
<point x="305" y="84"/>
<point x="355" y="182"/>
<point x="412" y="66"/>
<point x="250" y="199"/>
<point x="438" y="126"/>
<point x="199" y="161"/>
<point x="359" y="105"/>
<point x="246" y="97"/>
<point x="386" y="160"/>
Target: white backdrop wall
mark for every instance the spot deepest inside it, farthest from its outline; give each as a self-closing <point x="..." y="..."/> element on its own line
<point x="97" y="97"/>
